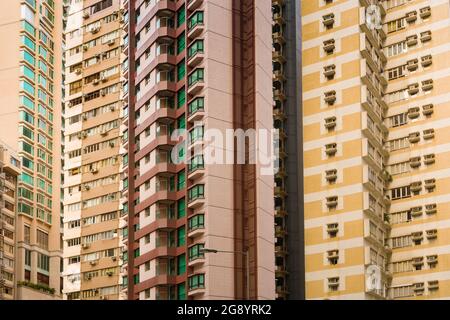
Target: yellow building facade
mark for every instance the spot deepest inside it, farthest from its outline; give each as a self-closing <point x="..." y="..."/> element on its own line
<point x="375" y="83"/>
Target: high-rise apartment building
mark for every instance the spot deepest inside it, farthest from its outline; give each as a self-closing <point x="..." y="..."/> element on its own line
<point x="92" y="254"/>
<point x="9" y="172"/>
<point x="286" y="57"/>
<point x="375" y="99"/>
<point x="30" y="86"/>
<point x="197" y="65"/>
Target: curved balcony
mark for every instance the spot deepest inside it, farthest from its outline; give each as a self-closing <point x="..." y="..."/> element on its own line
<point x="195" y="24"/>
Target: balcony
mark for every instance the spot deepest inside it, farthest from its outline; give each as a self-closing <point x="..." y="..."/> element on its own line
<point x="426" y="60"/>
<point x="414" y="137"/>
<point x="414" y="112"/>
<point x="432" y="234"/>
<point x="331" y="149"/>
<point x="195" y="53"/>
<point x="277" y="56"/>
<point x="417" y="236"/>
<point x="416" y="211"/>
<point x="196" y="167"/>
<point x="329" y="71"/>
<point x="196" y="225"/>
<point x="196" y="81"/>
<point x="280" y="212"/>
<point x="196" y="109"/>
<point x="195" y="25"/>
<point x="328" y="20"/>
<point x="196" y="196"/>
<point x="332" y="202"/>
<point x="330" y="97"/>
<point x="331" y="175"/>
<point x="430" y="184"/>
<point x="416" y="186"/>
<point x="427" y="85"/>
<point x="280" y="271"/>
<point x="414" y="162"/>
<point x="412" y="65"/>
<point x="425" y="36"/>
<point x="279" y="94"/>
<point x="280" y="192"/>
<point x="278" y="37"/>
<point x="425" y="12"/>
<point x="428" y="134"/>
<point x="280" y="251"/>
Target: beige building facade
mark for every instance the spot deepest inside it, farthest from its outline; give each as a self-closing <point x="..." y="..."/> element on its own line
<point x="30" y="78"/>
<point x="375" y="164"/>
<point x="92" y="256"/>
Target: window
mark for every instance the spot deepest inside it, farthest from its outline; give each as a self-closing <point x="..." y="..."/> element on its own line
<point x="181" y="16"/>
<point x="398" y="120"/>
<point x="195" y="19"/>
<point x="196" y="76"/>
<point x="397" y="48"/>
<point x="181" y="70"/>
<point x="196" y="281"/>
<point x="42" y="239"/>
<point x="400" y="193"/>
<point x="27" y="258"/>
<point x="396" y="72"/>
<point x="195" y="252"/>
<point x="181" y="208"/>
<point x="196" y="192"/>
<point x="25" y="85"/>
<point x="401" y="242"/>
<point x="196" y="222"/>
<point x="398" y="144"/>
<point x="181" y="180"/>
<point x="396" y="25"/>
<point x="181" y="236"/>
<point x="26" y="234"/>
<point x="181" y="291"/>
<point x="181" y="97"/>
<point x="181" y="43"/>
<point x="43" y="262"/>
<point x="181" y="264"/>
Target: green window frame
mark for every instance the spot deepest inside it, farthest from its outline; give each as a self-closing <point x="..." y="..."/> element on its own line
<point x="181" y="264"/>
<point x="181" y="70"/>
<point x="196" y="162"/>
<point x="27" y="72"/>
<point x="26" y="178"/>
<point x="181" y="16"/>
<point x="181" y="236"/>
<point x="196" y="281"/>
<point x="196" y="19"/>
<point x="28" y="87"/>
<point x="27" y="163"/>
<point x="181" y="122"/>
<point x="181" y="180"/>
<point x="196" y="47"/>
<point x="27" y="102"/>
<point x="181" y="43"/>
<point x="194" y="252"/>
<point x="181" y="291"/>
<point x="181" y="208"/>
<point x="196" y="192"/>
<point x="25" y="193"/>
<point x="196" y="134"/>
<point x="181" y="98"/>
<point x="196" y="105"/>
<point x="24" y="208"/>
<point x="196" y="222"/>
<point x="196" y="76"/>
<point x="25" y="116"/>
<point x="28" y="57"/>
<point x="28" y="42"/>
<point x="26" y="147"/>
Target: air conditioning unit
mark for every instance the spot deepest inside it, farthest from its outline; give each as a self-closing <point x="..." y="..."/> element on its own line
<point x="431" y="234"/>
<point x="433" y="285"/>
<point x="330" y="122"/>
<point x="111" y="42"/>
<point x="413" y="89"/>
<point x="84" y="117"/>
<point x="427" y="85"/>
<point x="425" y="36"/>
<point x="330" y="97"/>
<point x="84" y="134"/>
<point x="412" y="65"/>
<point x="95" y="30"/>
<point x="328" y="20"/>
<point x="96" y="82"/>
<point x="103" y="93"/>
<point x="85" y="47"/>
<point x="428" y="109"/>
<point x="112" y="145"/>
<point x="333" y="255"/>
<point x="413" y="112"/>
<point x="433" y="259"/>
<point x="94" y="170"/>
<point x="109" y="273"/>
<point x="331" y="175"/>
<point x="103" y="78"/>
<point x="87" y="187"/>
<point x="414" y="137"/>
<point x="85" y="15"/>
<point x="417" y="236"/>
<point x="332" y="229"/>
<point x="430" y="184"/>
<point x="329" y="71"/>
<point x="93" y="262"/>
<point x="78" y="71"/>
<point x="329" y="46"/>
<point x="88" y="277"/>
<point x="411" y="16"/>
<point x="417" y="261"/>
<point x="332" y="202"/>
<point x="428" y="134"/>
<point x="113" y="258"/>
<point x="416" y="186"/>
<point x="426" y="60"/>
<point x="85" y="245"/>
<point x="414" y="162"/>
<point x="331" y="149"/>
<point x="411" y="40"/>
<point x="431" y="208"/>
<point x="112" y="108"/>
<point x="416" y="211"/>
<point x="104" y="133"/>
<point x="425" y="12"/>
